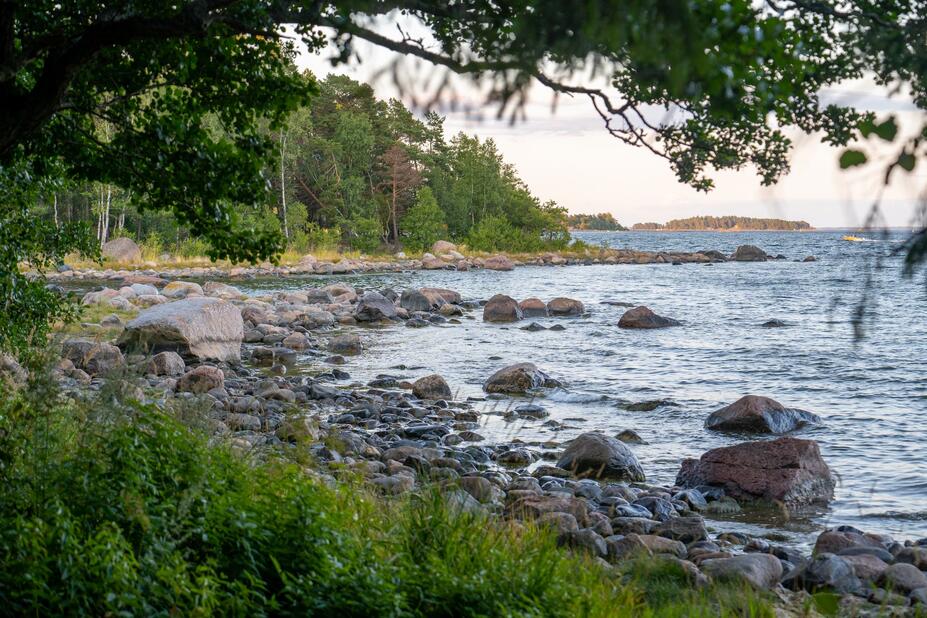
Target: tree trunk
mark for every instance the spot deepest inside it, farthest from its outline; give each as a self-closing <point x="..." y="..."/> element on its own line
<point x="55" y="196"/>
<point x="286" y="227"/>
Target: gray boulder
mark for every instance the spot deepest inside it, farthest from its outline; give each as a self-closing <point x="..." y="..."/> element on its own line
<point x="762" y="571"/>
<point x="121" y="250"/>
<point x="643" y="317"/>
<point x="599" y="456"/>
<point x="373" y="306"/>
<point x="759" y="415"/>
<point x="201" y="379"/>
<point x="431" y="387"/>
<point x="166" y="364"/>
<point x="518" y="379"/>
<point x="202" y="328"/>
<point x="413" y="300"/>
<point x="749" y="253"/>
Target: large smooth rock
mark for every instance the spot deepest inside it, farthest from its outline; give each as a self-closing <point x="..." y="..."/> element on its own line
<point x="786" y="470"/>
<point x="518" y="379"/>
<point x="498" y="262"/>
<point x="121" y="250"/>
<point x="166" y="364"/>
<point x="203" y="328"/>
<point x="749" y="253"/>
<point x="561" y="306"/>
<point x="439" y="296"/>
<point x="431" y="387"/>
<point x="825" y="572"/>
<point x="373" y="306"/>
<point x="598" y="456"/>
<point x="414" y="300"/>
<point x="642" y="317"/>
<point x="759" y="415"/>
<point x="443" y="246"/>
<point x="201" y="379"/>
<point x="102" y="358"/>
<point x="501" y="308"/>
<point x="534" y="506"/>
<point x="762" y="571"/>
<point x="903" y="577"/>
<point x="533" y="308"/>
<point x="345" y="344"/>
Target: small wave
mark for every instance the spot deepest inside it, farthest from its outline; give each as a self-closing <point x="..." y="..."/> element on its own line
<point x="563" y="396"/>
<point x="915" y="516"/>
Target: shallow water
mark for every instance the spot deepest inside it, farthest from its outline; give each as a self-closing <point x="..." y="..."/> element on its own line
<point x="871" y="393"/>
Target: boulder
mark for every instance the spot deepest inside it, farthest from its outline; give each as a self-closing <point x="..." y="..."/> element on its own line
<point x="762" y="571"/>
<point x="222" y="290"/>
<point x="903" y="577"/>
<point x="498" y="262"/>
<point x="439" y="296"/>
<point x="182" y="289"/>
<point x="759" y="415"/>
<point x="345" y="344"/>
<point x="11" y="370"/>
<point x="749" y="253"/>
<point x="93" y="358"/>
<point x="598" y="456"/>
<point x="414" y="300"/>
<point x="825" y="572"/>
<point x="565" y="307"/>
<point x="201" y="379"/>
<point x="501" y="308"/>
<point x="443" y="246"/>
<point x="202" y="328"/>
<point x="121" y="250"/>
<point x="642" y="317"/>
<point x="431" y="387"/>
<point x="373" y="306"/>
<point x="533" y="506"/>
<point x="518" y="379"/>
<point x="533" y="308"/>
<point x="166" y="364"/>
<point x="786" y="470"/>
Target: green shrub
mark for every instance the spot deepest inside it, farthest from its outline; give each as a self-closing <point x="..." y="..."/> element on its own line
<point x="423" y="224"/>
<point x="365" y="234"/>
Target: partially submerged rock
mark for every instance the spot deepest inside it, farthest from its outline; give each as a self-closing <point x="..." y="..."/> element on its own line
<point x="533" y="308"/>
<point x="501" y="308"/>
<point x="643" y="317"/>
<point x="431" y="387"/>
<point x="755" y="414"/>
<point x="786" y="470"/>
<point x="598" y="456"/>
<point x="561" y="306"/>
<point x="518" y="379"/>
<point x="749" y="253"/>
<point x="373" y="306"/>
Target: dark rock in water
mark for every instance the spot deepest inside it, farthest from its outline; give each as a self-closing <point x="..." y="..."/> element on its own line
<point x="759" y="415"/>
<point x="532" y="411"/>
<point x="440" y="296"/>
<point x="773" y="324"/>
<point x="660" y="509"/>
<point x="749" y="253"/>
<point x="373" y="306"/>
<point x="533" y="327"/>
<point x="518" y="379"/>
<point x="557" y="327"/>
<point x="501" y="308"/>
<point x="692" y="497"/>
<point x="598" y="456"/>
<point x="629" y="436"/>
<point x="565" y="307"/>
<point x="414" y="300"/>
<point x="516" y="457"/>
<point x="810" y="258"/>
<point x="335" y="359"/>
<point x="649" y="406"/>
<point x="617" y="303"/>
<point x="781" y="257"/>
<point x="431" y="387"/>
<point x="642" y="317"/>
<point x="417" y="323"/>
<point x="533" y="308"/>
<point x="345" y="344"/>
<point x="717" y="256"/>
<point x="784" y="470"/>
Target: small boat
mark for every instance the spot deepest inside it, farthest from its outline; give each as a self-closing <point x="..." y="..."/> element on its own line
<point x="855" y="239"/>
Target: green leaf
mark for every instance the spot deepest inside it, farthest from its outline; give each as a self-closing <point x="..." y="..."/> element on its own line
<point x="827" y="603"/>
<point x="887" y="129"/>
<point x="907" y="161"/>
<point x="852" y="158"/>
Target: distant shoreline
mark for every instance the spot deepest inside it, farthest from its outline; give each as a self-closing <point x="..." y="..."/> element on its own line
<point x="706" y="230"/>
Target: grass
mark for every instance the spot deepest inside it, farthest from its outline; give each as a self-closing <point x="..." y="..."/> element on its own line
<point x="112" y="507"/>
<point x="92" y="314"/>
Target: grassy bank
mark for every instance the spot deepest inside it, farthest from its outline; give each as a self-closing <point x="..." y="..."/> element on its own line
<point x="111" y="507"/>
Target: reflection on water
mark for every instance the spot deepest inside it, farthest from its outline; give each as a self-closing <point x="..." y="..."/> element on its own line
<point x="872" y="393"/>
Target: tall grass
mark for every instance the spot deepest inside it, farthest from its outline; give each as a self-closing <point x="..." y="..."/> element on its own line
<point x="114" y="507"/>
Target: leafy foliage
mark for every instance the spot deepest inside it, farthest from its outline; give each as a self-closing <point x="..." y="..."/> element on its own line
<point x="603" y="221"/>
<point x="424" y="222"/>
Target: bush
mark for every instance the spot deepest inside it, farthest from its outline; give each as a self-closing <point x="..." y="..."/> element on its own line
<point x="111" y="507"/>
<point x="364" y="234"/>
<point x="152" y="247"/>
<point x="423" y="224"/>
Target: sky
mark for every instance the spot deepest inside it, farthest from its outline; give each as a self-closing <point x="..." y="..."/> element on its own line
<point x="566" y="155"/>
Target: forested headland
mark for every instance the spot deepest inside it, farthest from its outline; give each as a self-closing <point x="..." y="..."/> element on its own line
<point x="603" y="221"/>
<point x="351" y="171"/>
<point x="726" y="224"/>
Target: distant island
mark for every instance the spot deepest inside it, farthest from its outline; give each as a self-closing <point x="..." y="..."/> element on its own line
<point x="724" y="224"/>
<point x="602" y="222"/>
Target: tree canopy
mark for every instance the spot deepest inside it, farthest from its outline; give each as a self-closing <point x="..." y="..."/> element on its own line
<point x="181" y="105"/>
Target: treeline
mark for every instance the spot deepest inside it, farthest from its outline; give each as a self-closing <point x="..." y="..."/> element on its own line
<point x="603" y="221"/>
<point x="356" y="172"/>
<point x="725" y="223"/>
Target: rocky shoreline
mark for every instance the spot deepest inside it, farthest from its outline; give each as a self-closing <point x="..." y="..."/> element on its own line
<point x="443" y="256"/>
<point x="265" y="373"/>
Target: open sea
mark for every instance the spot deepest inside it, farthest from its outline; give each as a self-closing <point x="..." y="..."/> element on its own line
<point x="869" y="384"/>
